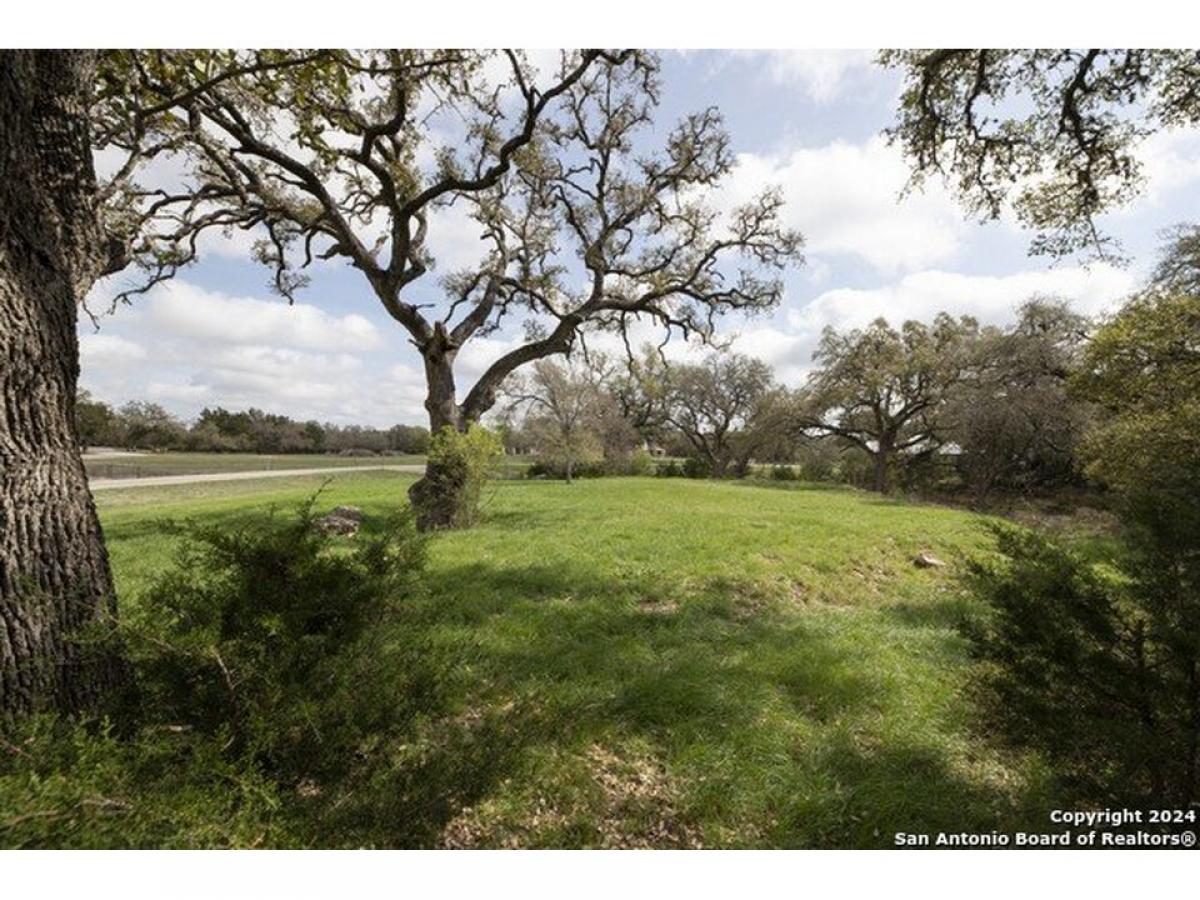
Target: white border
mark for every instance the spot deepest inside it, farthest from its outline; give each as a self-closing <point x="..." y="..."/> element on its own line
<point x="580" y="876"/>
<point x="596" y="875"/>
<point x="640" y="23"/>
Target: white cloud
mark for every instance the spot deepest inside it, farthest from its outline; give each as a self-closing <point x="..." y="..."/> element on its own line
<point x="824" y="75"/>
<point x="845" y="198"/>
<point x="109" y="350"/>
<point x="188" y="347"/>
<point x="191" y="393"/>
<point x="234" y="243"/>
<point x="993" y="299"/>
<point x="454" y="238"/>
<point x="340" y="387"/>
<point x="184" y="310"/>
<point x="1170" y="161"/>
<point x="283" y="375"/>
<point x="990" y="298"/>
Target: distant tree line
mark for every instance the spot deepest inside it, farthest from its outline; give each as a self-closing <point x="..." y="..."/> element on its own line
<point x="141" y="425"/>
<point x="946" y="406"/>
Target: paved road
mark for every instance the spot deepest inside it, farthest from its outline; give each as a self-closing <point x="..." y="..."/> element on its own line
<point x="104" y="484"/>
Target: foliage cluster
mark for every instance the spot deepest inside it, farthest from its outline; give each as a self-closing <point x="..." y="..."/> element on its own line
<point x="259" y="680"/>
<point x="460" y="463"/>
<point x="1098" y="665"/>
<point x="1094" y="666"/>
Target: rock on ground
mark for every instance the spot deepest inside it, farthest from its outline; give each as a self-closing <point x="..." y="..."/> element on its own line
<point x="334" y="524"/>
<point x="927" y="561"/>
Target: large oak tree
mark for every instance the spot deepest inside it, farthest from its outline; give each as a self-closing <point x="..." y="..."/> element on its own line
<point x="884" y="391"/>
<point x="725" y="407"/>
<point x="355" y="156"/>
<point x="1013" y="419"/>
<point x="55" y="583"/>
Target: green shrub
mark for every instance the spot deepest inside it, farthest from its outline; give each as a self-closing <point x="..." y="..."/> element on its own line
<point x="784" y="473"/>
<point x="1094" y="666"/>
<point x="460" y="463"/>
<point x="694" y="467"/>
<point x="641" y="462"/>
<point x="669" y="469"/>
<point x="817" y="461"/>
<point x="260" y="680"/>
<point x="267" y="636"/>
<point x="548" y="468"/>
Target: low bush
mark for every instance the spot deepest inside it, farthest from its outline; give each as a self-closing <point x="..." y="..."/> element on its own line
<point x="267" y="635"/>
<point x="460" y="464"/>
<point x="259" y="676"/>
<point x="1094" y="666"/>
<point x="551" y="469"/>
<point x="641" y="462"/>
<point x="781" y="472"/>
<point x="818" y="461"/>
<point x="669" y="469"/>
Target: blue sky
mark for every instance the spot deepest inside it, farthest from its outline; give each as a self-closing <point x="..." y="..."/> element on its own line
<point x="808" y="121"/>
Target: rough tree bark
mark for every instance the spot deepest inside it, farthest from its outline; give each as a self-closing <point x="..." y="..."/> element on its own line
<point x="55" y="579"/>
<point x="437" y="497"/>
<point x="882" y="459"/>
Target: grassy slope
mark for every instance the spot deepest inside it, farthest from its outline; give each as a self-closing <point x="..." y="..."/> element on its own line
<point x="666" y="662"/>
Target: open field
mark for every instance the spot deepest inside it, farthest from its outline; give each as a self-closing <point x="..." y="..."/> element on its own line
<point x="148" y="465"/>
<point x="635" y="662"/>
<point x="98" y="484"/>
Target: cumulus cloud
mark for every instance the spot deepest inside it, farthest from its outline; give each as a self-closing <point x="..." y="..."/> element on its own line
<point x="993" y="299"/>
<point x="188" y="347"/>
<point x="845" y="198"/>
<point x="1170" y="161"/>
<point x="284" y="378"/>
<point x="185" y="310"/>
<point x="339" y="387"/>
<point x="109" y="350"/>
<point x="990" y="298"/>
<point x="824" y="75"/>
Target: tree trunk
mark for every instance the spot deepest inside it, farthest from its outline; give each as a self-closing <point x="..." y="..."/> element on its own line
<point x="438" y="497"/>
<point x="880" y="458"/>
<point x="55" y="580"/>
<point x="570" y="465"/>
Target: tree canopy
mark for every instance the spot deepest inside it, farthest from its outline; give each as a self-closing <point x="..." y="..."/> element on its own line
<point x="1012" y="417"/>
<point x="881" y="390"/>
<point x="1143" y="369"/>
<point x="351" y="156"/>
<point x="722" y="407"/>
<point x="1055" y="132"/>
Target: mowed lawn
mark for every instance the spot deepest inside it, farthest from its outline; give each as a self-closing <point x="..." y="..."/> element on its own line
<point x="662" y="662"/>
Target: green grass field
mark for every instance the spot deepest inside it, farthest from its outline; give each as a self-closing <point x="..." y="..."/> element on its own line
<point x="665" y="662"/>
<point x="145" y="465"/>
